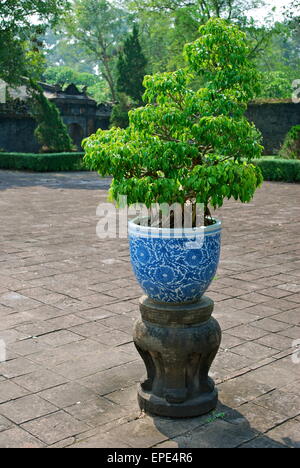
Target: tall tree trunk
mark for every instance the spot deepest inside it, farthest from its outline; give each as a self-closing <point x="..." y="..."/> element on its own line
<point x="109" y="78"/>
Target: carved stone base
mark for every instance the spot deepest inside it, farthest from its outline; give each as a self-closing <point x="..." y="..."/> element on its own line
<point x="178" y="344"/>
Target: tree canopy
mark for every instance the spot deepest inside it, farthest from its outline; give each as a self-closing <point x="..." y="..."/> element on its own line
<point x="91" y="34"/>
<point x="99" y="28"/>
<point x="21" y="24"/>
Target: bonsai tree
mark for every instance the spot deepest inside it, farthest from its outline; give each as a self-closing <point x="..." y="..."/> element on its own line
<point x="188" y="146"/>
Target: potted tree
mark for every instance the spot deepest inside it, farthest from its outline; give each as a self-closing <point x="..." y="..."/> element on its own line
<point x="187" y="146"/>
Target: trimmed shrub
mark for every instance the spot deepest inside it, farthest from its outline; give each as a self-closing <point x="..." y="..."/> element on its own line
<point x="291" y="146"/>
<point x="52" y="162"/>
<point x="51" y="132"/>
<point x="283" y="170"/>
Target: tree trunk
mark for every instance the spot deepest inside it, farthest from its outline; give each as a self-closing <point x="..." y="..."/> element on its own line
<point x="109" y="78"/>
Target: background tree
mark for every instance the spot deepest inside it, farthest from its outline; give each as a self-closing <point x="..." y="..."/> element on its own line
<point x="61" y="50"/>
<point x="19" y="37"/>
<point x="206" y="9"/>
<point x="98" y="27"/>
<point x="275" y="85"/>
<point x="119" y="116"/>
<point x="90" y="38"/>
<point x="167" y="25"/>
<point x="96" y="87"/>
<point x="292" y="12"/>
<point x="131" y="68"/>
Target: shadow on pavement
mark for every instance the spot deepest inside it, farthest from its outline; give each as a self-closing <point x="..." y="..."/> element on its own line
<point x="59" y="180"/>
<point x="224" y="428"/>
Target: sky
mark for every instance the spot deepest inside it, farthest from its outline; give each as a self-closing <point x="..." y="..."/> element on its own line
<point x="261" y="13"/>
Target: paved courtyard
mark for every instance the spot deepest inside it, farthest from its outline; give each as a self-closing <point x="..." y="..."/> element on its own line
<point x="68" y="301"/>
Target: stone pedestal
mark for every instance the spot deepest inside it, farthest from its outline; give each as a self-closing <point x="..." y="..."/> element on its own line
<point x="178" y="344"/>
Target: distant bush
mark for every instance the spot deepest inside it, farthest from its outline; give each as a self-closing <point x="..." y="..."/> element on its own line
<point x="119" y="116"/>
<point x="281" y="170"/>
<point x="291" y="146"/>
<point x="53" y="162"/>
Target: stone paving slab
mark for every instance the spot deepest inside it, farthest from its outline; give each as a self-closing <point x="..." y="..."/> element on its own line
<point x="68" y="301"/>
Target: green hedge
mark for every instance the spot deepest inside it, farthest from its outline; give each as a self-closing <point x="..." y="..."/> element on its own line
<point x="285" y="170"/>
<point x="42" y="162"/>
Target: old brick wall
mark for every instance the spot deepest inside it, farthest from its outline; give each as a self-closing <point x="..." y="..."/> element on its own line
<point x="274" y="120"/>
<point x="17" y="134"/>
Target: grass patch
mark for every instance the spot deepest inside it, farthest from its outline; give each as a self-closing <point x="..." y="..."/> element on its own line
<point x="215" y="416"/>
<point x="52" y="162"/>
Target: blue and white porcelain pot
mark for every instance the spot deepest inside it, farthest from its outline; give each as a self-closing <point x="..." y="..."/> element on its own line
<point x="174" y="265"/>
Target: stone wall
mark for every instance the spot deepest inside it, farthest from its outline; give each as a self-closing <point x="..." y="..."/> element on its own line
<point x="17" y="132"/>
<point x="80" y="113"/>
<point x="274" y="120"/>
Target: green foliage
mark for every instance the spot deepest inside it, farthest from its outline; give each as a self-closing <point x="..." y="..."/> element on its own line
<point x="281" y="170"/>
<point x="215" y="416"/>
<point x="18" y="15"/>
<point x="100" y="92"/>
<point x="51" y="132"/>
<point x="168" y="24"/>
<point x="206" y="9"/>
<point x="42" y="162"/>
<point x="19" y="36"/>
<point x="62" y="75"/>
<point x="98" y="27"/>
<point x="131" y="68"/>
<point x="165" y="26"/>
<point x="66" y="75"/>
<point x="291" y="146"/>
<point x="279" y="62"/>
<point x="119" y="116"/>
<point x="62" y="51"/>
<point x="185" y="145"/>
<point x="275" y="85"/>
<point x="18" y="60"/>
<point x="292" y="13"/>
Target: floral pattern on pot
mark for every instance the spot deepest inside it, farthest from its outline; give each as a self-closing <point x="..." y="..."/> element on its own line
<point x="168" y="269"/>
